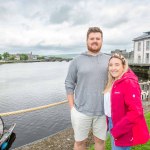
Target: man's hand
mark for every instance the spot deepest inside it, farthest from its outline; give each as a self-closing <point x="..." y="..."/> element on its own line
<point x="71" y="100"/>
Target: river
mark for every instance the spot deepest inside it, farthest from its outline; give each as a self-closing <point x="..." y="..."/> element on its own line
<point x="27" y="85"/>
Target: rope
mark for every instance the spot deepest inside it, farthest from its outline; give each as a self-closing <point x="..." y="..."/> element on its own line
<point x="41" y="107"/>
<point x="32" y="109"/>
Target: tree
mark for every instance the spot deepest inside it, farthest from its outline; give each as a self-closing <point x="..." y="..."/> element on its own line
<point x="0" y="57"/>
<point x="23" y="57"/>
<point x="40" y="57"/>
<point x="5" y="55"/>
<point x="11" y="57"/>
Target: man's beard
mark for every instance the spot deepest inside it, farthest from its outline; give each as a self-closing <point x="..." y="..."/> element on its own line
<point x="94" y="50"/>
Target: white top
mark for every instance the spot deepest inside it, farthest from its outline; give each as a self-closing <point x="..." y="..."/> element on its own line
<point x="107" y="104"/>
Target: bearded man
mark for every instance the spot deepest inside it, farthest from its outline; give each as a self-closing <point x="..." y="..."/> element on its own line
<point x="84" y="85"/>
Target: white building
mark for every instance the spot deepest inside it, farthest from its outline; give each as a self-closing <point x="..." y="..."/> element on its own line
<point x="142" y="48"/>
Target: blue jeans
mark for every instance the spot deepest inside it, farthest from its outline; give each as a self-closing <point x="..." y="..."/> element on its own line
<point x="114" y="147"/>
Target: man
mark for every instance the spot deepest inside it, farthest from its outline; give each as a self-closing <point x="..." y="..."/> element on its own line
<point x="86" y="80"/>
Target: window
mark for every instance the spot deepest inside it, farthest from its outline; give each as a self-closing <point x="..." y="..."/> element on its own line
<point x="147" y="45"/>
<point x="139" y="46"/>
<point x="139" y="59"/>
<point x="147" y="57"/>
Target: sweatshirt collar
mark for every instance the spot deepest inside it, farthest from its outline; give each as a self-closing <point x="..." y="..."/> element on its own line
<point x="93" y="54"/>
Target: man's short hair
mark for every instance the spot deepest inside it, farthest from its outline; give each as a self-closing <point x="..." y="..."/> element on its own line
<point x="94" y="29"/>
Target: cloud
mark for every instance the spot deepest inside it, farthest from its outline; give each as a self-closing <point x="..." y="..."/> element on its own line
<point x="62" y="25"/>
<point x="60" y="15"/>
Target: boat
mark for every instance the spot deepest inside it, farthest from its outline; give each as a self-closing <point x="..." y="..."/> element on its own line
<point x="7" y="136"/>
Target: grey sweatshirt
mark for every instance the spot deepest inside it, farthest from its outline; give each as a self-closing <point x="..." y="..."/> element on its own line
<point x="86" y="79"/>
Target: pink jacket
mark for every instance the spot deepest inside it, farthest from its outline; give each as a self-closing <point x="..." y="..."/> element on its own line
<point x="129" y="125"/>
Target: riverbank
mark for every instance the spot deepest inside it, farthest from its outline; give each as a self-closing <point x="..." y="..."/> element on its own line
<point x="51" y="59"/>
<point x="64" y="140"/>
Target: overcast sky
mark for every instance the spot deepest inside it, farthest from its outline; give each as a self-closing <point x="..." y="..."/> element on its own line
<point x="60" y="26"/>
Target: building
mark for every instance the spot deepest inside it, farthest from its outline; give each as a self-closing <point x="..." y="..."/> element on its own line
<point x="127" y="55"/>
<point x="142" y="49"/>
<point x="122" y="52"/>
<point x="32" y="57"/>
<point x="130" y="57"/>
<point x="17" y="57"/>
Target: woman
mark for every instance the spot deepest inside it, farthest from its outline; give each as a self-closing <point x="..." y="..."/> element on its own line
<point x="123" y="106"/>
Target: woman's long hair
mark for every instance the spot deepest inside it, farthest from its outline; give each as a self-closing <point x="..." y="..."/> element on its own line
<point x="110" y="78"/>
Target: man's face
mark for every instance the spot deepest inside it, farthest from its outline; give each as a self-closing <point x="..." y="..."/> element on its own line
<point x="94" y="42"/>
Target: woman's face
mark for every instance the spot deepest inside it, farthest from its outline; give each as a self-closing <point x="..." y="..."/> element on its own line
<point x="115" y="68"/>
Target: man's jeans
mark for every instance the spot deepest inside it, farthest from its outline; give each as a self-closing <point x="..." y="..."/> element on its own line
<point x="114" y="147"/>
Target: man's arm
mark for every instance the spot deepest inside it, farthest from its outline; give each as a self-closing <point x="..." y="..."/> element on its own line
<point x="70" y="83"/>
<point x="70" y="98"/>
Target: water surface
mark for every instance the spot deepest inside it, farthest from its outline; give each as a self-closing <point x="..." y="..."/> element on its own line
<point x="27" y="85"/>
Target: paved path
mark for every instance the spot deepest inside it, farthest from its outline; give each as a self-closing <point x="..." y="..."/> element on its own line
<point x="61" y="141"/>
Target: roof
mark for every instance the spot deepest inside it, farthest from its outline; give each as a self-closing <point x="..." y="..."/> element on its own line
<point x="146" y="35"/>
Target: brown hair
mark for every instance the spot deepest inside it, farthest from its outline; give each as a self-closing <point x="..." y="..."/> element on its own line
<point x="94" y="29"/>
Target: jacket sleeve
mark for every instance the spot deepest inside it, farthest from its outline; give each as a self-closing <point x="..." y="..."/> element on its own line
<point x="71" y="78"/>
<point x="132" y="99"/>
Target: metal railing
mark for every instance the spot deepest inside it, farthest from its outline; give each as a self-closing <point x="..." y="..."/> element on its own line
<point x="145" y="86"/>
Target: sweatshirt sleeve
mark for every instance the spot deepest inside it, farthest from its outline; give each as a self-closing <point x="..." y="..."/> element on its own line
<point x="132" y="98"/>
<point x="71" y="78"/>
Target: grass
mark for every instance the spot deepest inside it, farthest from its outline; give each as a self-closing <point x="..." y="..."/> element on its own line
<point x="139" y="147"/>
